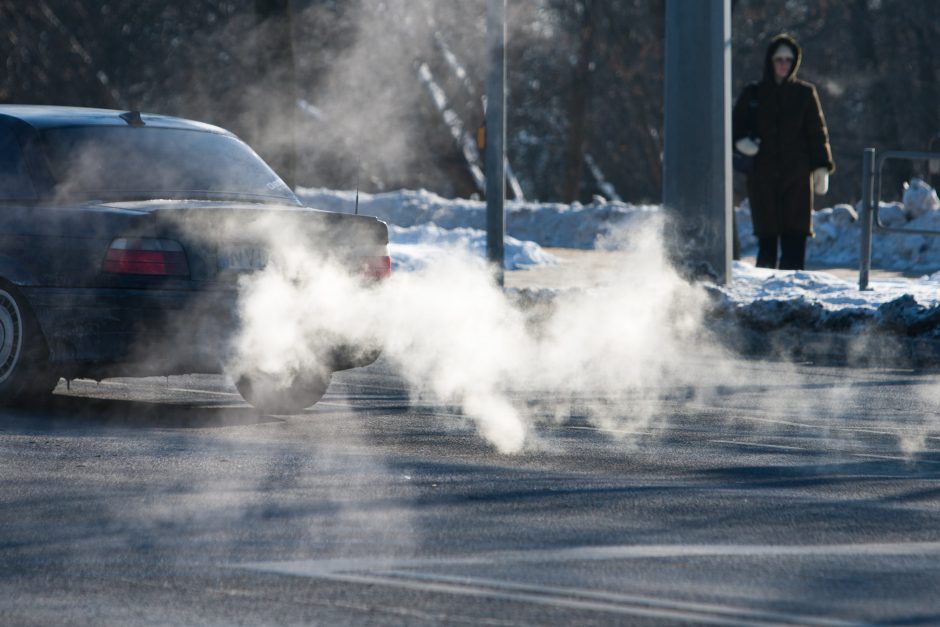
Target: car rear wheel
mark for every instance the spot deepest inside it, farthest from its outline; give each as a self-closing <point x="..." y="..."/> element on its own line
<point x="24" y="358"/>
<point x="273" y="395"/>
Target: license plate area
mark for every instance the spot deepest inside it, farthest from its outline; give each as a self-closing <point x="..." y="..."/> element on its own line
<point x="242" y="258"/>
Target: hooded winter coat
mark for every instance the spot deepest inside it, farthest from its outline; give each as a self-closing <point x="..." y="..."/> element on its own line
<point x="794" y="141"/>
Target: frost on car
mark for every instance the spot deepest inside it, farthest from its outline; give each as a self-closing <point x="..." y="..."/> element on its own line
<point x="122" y="238"/>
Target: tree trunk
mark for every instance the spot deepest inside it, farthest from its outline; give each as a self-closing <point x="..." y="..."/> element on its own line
<point x="277" y="116"/>
<point x="578" y="109"/>
<point x="927" y="94"/>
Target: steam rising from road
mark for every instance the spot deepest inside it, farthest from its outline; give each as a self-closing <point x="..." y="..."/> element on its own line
<point x="457" y="337"/>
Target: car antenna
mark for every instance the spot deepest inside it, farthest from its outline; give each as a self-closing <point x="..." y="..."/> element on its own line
<point x="358" y="170"/>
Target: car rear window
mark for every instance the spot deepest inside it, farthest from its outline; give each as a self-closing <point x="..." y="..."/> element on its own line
<point x="15" y="183"/>
<point x="127" y="163"/>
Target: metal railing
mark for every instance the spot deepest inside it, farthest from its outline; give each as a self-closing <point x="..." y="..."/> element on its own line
<point x="871" y="202"/>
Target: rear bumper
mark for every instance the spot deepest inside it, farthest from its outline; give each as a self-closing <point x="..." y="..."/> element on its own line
<point x="111" y="332"/>
<point x="135" y="332"/>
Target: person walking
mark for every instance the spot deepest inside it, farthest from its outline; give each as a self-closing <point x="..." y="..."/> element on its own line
<point x="789" y="142"/>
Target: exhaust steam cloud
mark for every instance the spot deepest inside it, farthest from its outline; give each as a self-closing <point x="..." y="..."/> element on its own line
<point x="455" y="335"/>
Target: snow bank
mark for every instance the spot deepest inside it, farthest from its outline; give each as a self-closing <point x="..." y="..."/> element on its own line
<point x="580" y="226"/>
<point x="764" y="300"/>
<point x="755" y="285"/>
<point x="414" y="248"/>
<point x="546" y="224"/>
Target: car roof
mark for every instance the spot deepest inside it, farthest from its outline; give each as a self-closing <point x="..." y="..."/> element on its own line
<point x="48" y="116"/>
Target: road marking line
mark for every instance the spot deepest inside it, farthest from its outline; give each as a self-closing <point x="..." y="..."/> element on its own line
<point x="662" y="610"/>
<point x="352" y="384"/>
<point x="605" y="553"/>
<point x="331" y="566"/>
<point x="803" y="425"/>
<point x="707" y="611"/>
<point x="393" y="572"/>
<point x="791" y="423"/>
<point x="761" y="445"/>
<point x="617" y="431"/>
<point x="896" y="458"/>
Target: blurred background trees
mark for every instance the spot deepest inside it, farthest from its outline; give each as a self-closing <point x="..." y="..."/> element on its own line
<point x="379" y="92"/>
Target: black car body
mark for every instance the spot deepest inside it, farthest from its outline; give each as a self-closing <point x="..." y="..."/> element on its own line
<point x="103" y="268"/>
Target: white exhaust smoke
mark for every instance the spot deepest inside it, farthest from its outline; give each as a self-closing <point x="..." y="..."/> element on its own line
<point x="457" y="337"/>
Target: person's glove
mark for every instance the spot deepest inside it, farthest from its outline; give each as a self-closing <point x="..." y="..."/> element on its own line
<point x="820" y="181"/>
<point x="747" y="146"/>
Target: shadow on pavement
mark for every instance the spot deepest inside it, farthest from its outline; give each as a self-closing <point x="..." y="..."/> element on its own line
<point x="63" y="411"/>
<point x="827" y="474"/>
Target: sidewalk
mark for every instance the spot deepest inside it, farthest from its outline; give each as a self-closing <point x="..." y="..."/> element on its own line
<point x="590" y="268"/>
<point x="900" y="333"/>
<point x="575" y="269"/>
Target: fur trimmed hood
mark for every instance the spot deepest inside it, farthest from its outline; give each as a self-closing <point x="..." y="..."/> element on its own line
<point x="782" y="40"/>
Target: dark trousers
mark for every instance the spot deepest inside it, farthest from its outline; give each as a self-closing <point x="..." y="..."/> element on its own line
<point x="792" y="252"/>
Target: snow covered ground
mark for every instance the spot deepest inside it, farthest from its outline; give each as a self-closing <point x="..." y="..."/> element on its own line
<point x="423" y="225"/>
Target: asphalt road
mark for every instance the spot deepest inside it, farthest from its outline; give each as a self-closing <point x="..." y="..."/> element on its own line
<point x="790" y="495"/>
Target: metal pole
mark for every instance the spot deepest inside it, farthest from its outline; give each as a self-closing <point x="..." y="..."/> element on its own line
<point x="697" y="143"/>
<point x="496" y="134"/>
<point x="868" y="216"/>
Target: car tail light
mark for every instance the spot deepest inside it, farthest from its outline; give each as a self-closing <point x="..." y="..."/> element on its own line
<point x="376" y="267"/>
<point x="154" y="257"/>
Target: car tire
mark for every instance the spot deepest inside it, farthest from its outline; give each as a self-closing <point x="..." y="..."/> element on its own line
<point x="272" y="395"/>
<point x="24" y="358"/>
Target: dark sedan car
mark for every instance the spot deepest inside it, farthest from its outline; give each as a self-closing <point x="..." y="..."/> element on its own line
<point x="106" y="264"/>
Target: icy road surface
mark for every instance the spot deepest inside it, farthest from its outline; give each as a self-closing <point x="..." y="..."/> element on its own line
<point x="789" y="495"/>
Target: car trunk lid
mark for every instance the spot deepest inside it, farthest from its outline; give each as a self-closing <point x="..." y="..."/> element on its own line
<point x="225" y="240"/>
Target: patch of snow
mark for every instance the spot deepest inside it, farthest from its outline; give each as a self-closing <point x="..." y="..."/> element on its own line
<point x="546" y="224"/>
<point x="413" y="248"/>
<point x="423" y="225"/>
<point x="752" y="285"/>
<point x="919" y="198"/>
